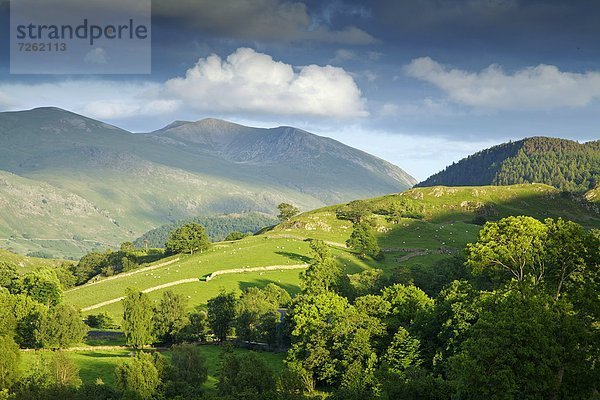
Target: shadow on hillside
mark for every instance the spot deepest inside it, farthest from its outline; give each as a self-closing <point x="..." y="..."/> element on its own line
<point x="536" y="204"/>
<point x="480" y="204"/>
<point x="300" y="258"/>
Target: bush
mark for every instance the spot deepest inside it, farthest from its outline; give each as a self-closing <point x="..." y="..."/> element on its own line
<point x="100" y="321"/>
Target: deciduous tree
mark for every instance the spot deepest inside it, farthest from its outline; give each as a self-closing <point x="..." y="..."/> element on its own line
<point x="221" y="314"/>
<point x="170" y="316"/>
<point x="137" y="319"/>
<point x="137" y="378"/>
<point x="286" y="212"/>
<point x="61" y="327"/>
<point x="188" y="238"/>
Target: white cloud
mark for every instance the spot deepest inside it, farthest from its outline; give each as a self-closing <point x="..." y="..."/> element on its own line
<point x="123" y="109"/>
<point x="94" y="98"/>
<point x="270" y="20"/>
<point x="96" y="56"/>
<point x="248" y="81"/>
<point x="245" y="82"/>
<point x="536" y="88"/>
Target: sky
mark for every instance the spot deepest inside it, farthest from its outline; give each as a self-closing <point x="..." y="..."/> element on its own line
<point x="420" y="83"/>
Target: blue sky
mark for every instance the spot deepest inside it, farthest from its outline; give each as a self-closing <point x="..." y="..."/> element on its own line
<point x="421" y="83"/>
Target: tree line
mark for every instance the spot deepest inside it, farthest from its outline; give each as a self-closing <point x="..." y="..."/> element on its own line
<point x="564" y="164"/>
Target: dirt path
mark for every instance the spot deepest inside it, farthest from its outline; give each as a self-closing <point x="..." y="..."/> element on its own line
<point x="192" y="280"/>
<point x="125" y="274"/>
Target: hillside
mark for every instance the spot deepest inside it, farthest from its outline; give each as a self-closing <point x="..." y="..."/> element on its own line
<point x="26" y="264"/>
<point x="217" y="228"/>
<point x="74" y="184"/>
<point x="564" y="164"/>
<point x="445" y="225"/>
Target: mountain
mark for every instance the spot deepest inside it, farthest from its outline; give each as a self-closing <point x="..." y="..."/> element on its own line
<point x="70" y="184"/>
<point x="564" y="164"/>
<point x="319" y="166"/>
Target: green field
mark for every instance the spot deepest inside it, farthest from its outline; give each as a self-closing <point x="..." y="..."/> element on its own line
<point x="94" y="364"/>
<point x="252" y="252"/>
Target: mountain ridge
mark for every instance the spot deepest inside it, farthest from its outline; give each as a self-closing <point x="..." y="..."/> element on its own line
<point x="139" y="181"/>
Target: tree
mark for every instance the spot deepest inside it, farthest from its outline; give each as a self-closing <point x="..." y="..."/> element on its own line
<point x="244" y="376"/>
<point x="28" y="313"/>
<point x="8" y="276"/>
<point x="445" y="327"/>
<point x="64" y="274"/>
<point x="188" y="238"/>
<point x="362" y="239"/>
<point x="197" y="327"/>
<point x="323" y="272"/>
<point x="406" y="301"/>
<point x="42" y="286"/>
<point x="571" y="254"/>
<point x="235" y="235"/>
<point x="89" y="266"/>
<point x="286" y="212"/>
<point x="369" y="281"/>
<point x="526" y="347"/>
<point x="355" y="211"/>
<point x="189" y="367"/>
<point x="403" y="352"/>
<point x="252" y="306"/>
<point x="9" y="362"/>
<point x="8" y="321"/>
<point x="63" y="370"/>
<point x="61" y="327"/>
<point x="277" y="295"/>
<point x="331" y="338"/>
<point x="52" y="376"/>
<point x="127" y="247"/>
<point x="137" y="319"/>
<point x="221" y="314"/>
<point x="137" y="378"/>
<point x="170" y="316"/>
<point x="510" y="248"/>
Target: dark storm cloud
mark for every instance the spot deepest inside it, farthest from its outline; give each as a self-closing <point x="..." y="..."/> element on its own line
<point x="262" y="20"/>
<point x="463" y="16"/>
<point x="531" y="30"/>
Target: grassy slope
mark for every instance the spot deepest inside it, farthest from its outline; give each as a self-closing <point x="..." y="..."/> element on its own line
<point x="445" y="230"/>
<point x="26" y="264"/>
